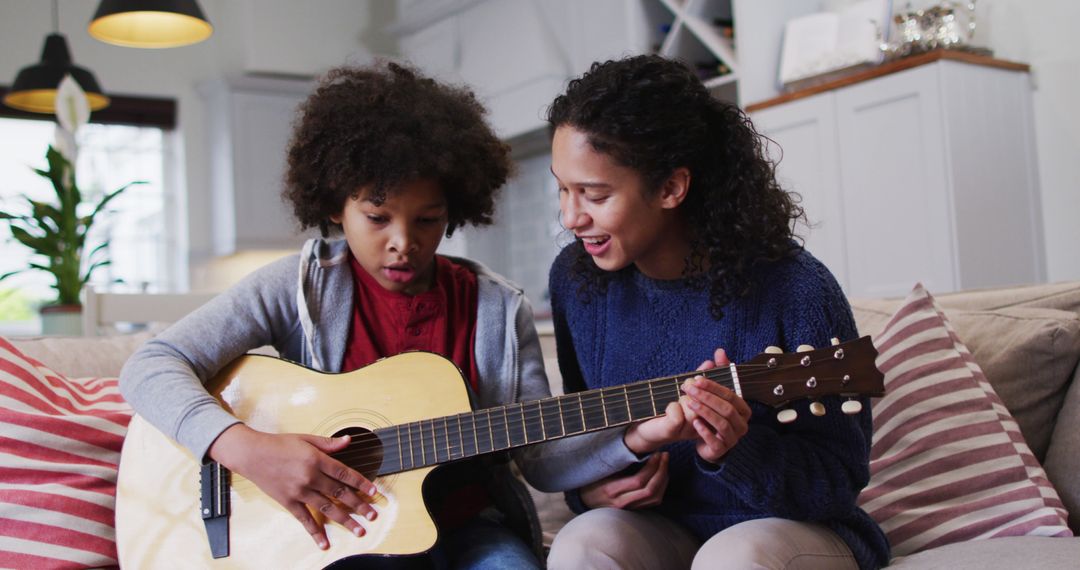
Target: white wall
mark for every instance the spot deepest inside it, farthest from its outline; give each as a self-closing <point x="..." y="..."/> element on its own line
<point x="1043" y="34"/>
<point x="263" y="36"/>
<point x="293" y="37"/>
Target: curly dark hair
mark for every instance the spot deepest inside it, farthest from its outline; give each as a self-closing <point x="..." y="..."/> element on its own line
<point x="385" y="125"/>
<point x="654" y="115"/>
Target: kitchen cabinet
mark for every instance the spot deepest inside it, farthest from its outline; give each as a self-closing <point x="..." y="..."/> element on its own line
<point x="925" y="171"/>
<point x="249" y="122"/>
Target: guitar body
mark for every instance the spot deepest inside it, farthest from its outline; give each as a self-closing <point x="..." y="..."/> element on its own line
<point x="158" y="522"/>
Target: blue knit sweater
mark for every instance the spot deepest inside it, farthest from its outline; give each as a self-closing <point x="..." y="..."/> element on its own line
<point x="640" y="328"/>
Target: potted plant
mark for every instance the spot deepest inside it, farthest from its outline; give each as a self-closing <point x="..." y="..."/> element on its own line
<point x="56" y="230"/>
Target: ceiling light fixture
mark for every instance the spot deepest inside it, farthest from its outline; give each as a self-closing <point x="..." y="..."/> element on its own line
<point x="150" y="23"/>
<point x="35" y="85"/>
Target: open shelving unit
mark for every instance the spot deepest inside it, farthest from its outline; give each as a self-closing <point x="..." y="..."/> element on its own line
<point x="700" y="33"/>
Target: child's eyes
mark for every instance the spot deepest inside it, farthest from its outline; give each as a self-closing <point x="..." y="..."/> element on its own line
<point x="376" y="219"/>
<point x="430" y="220"/>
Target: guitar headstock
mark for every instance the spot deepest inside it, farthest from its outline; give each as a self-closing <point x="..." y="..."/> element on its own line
<point x="845" y="369"/>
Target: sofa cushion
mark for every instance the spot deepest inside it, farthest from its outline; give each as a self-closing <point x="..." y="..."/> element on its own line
<point x="60" y="441"/>
<point x="1011" y="553"/>
<point x="948" y="463"/>
<point x="1063" y="458"/>
<point x="82" y="356"/>
<point x="1028" y="354"/>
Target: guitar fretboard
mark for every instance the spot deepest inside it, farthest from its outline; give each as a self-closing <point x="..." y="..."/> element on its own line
<point x="450" y="438"/>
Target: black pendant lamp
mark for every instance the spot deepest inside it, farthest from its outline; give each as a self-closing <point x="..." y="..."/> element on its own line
<point x="150" y="23"/>
<point x="35" y="86"/>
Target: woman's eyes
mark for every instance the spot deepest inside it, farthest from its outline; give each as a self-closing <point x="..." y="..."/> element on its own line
<point x="587" y="195"/>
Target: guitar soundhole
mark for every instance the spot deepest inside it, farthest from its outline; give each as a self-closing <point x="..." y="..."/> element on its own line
<point x="365" y="452"/>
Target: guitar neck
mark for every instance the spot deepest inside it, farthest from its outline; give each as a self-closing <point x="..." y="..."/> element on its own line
<point x="450" y="438"/>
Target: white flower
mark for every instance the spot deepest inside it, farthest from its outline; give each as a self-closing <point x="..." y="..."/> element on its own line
<point x="72" y="108"/>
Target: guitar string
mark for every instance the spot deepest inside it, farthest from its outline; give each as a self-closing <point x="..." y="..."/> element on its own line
<point x="633" y="395"/>
<point x="636" y="394"/>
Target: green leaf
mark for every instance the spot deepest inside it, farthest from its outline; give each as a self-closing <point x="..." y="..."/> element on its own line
<point x="90" y="270"/>
<point x="101" y="247"/>
<point x="108" y="198"/>
<point x="41" y="245"/>
<point x="10" y="273"/>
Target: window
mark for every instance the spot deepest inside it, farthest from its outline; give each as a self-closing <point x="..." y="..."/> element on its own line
<point x="139" y="225"/>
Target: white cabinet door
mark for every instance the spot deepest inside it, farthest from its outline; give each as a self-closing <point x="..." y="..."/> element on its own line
<point x="898" y="209"/>
<point x="249" y="125"/>
<point x="925" y="175"/>
<point x="805" y="148"/>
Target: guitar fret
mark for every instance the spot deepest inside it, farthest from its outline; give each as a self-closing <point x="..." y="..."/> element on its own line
<point x="571" y="414"/>
<point x="446" y="436"/>
<point x="476" y="440"/>
<point x="616" y="408"/>
<point x="603" y="406"/>
<point x="516" y="432"/>
<point x="412" y="452"/>
<point x="434" y="445"/>
<point x="533" y="421"/>
<point x="640" y="407"/>
<point x="592" y="410"/>
<point x="400" y="458"/>
<point x="506" y="422"/>
<point x="549" y="411"/>
<point x="562" y="424"/>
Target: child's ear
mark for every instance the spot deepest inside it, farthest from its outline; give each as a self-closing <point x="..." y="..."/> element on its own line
<point x="336" y="218"/>
<point x="675" y="188"/>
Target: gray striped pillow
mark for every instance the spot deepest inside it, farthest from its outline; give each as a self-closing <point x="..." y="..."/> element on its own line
<point x="948" y="462"/>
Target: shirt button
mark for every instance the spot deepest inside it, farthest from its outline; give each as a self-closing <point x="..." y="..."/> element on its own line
<point x="420" y="306"/>
<point x="415" y="331"/>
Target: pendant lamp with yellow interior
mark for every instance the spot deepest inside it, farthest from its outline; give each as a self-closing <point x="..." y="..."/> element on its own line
<point x="150" y="23"/>
<point x="34" y="89"/>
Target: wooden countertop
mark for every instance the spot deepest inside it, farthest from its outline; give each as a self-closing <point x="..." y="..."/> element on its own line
<point x="887" y="68"/>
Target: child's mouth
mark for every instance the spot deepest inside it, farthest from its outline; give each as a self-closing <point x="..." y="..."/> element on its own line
<point x="398" y="273"/>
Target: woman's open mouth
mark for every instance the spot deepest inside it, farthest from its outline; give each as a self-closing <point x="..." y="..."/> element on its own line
<point x="596" y="246"/>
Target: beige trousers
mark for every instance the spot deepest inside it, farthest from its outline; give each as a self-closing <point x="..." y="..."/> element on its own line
<point x="629" y="540"/>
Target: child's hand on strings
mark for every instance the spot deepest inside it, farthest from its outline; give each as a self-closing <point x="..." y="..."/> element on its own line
<point x="297" y="472"/>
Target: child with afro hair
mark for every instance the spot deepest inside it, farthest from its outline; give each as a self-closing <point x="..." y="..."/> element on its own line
<point x="394" y="161"/>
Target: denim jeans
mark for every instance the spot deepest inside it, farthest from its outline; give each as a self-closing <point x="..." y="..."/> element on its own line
<point x="482" y="544"/>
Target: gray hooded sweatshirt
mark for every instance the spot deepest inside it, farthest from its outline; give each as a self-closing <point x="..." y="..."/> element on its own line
<point x="302" y="305"/>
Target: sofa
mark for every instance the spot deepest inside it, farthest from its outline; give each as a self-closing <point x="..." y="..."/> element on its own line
<point x="1011" y="352"/>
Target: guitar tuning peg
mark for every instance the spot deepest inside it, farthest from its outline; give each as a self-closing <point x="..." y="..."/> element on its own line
<point x="786" y="415"/>
<point x="835" y="341"/>
<point x="804" y="348"/>
<point x="773" y="350"/>
<point x="817" y="408"/>
<point x="851" y="407"/>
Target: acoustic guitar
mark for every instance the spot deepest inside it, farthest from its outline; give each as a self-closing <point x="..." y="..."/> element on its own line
<point x="407" y="414"/>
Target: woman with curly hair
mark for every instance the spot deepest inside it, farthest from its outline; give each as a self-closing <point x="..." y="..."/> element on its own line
<point x="393" y="161"/>
<point x="684" y="243"/>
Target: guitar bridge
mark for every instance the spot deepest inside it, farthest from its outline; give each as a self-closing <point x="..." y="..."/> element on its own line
<point x="214" y="506"/>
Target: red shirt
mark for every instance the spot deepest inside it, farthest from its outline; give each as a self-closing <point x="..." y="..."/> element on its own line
<point x="440" y="320"/>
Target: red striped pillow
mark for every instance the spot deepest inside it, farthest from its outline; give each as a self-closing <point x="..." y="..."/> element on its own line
<point x="60" y="442"/>
<point x="948" y="462"/>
